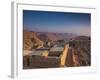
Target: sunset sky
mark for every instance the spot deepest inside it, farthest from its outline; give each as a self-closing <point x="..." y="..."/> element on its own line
<point x="62" y="22"/>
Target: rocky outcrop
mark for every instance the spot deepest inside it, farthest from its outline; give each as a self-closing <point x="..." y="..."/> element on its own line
<point x="31" y="41"/>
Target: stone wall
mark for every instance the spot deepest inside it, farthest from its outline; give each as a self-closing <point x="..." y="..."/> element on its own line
<point x="40" y="62"/>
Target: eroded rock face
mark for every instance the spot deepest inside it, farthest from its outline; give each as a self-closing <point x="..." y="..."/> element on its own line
<point x="31" y="41"/>
<point x="81" y="51"/>
<point x="76" y="61"/>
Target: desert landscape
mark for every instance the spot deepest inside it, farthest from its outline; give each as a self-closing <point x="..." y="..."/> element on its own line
<point x="52" y="45"/>
<point x="45" y="48"/>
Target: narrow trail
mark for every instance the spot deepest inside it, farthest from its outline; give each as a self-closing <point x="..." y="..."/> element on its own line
<point x="64" y="55"/>
<point x="69" y="59"/>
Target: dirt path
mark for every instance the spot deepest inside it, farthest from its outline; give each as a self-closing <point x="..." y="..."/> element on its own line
<point x="69" y="59"/>
<point x="64" y="55"/>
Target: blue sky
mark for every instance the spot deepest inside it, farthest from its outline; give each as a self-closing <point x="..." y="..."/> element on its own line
<point x="62" y="22"/>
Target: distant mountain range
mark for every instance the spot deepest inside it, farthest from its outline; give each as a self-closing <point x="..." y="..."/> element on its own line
<point x="82" y="38"/>
<point x="38" y="38"/>
<point x="54" y="36"/>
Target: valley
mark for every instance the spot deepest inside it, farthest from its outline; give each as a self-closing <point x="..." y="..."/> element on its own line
<point x="51" y="50"/>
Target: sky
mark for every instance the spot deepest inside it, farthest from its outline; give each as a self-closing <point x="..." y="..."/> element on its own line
<point x="61" y="22"/>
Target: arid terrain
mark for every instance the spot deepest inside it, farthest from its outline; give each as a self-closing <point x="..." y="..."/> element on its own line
<point x="49" y="50"/>
<point x="36" y="39"/>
